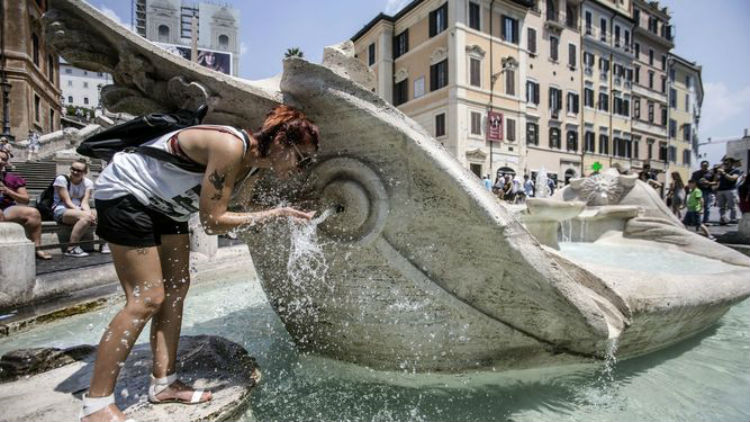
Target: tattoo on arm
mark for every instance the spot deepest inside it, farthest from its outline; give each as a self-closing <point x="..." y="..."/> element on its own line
<point x="217" y="180"/>
<point x="141" y="251"/>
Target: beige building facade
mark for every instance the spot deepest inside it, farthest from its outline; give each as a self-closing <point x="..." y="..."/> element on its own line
<point x="577" y="82"/>
<point x="685" y="101"/>
<point x="30" y="70"/>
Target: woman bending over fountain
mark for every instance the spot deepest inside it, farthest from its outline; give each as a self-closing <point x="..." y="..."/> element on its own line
<point x="144" y="205"/>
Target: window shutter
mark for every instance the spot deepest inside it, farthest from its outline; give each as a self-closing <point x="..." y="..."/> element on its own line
<point x="511" y="129"/>
<point x="433" y="77"/>
<point x="515" y="31"/>
<point x="559" y="100"/>
<point x="551" y="98"/>
<point x="503" y="24"/>
<point x="433" y="23"/>
<point x="536" y="93"/>
<point x="406" y="40"/>
<point x="572" y="55"/>
<point x="531" y="40"/>
<point x="575" y="103"/>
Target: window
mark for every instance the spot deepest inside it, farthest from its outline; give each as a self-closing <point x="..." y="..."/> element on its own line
<point x="554" y="43"/>
<point x="223" y="42"/>
<point x="68" y="71"/>
<point x="636" y="153"/>
<point x="35" y="49"/>
<point x="554" y="138"/>
<point x="572" y="56"/>
<point x="650" y="152"/>
<point x="603" y="144"/>
<point x="70" y="98"/>
<point x="571" y="143"/>
<point x="617" y="35"/>
<point x="70" y="83"/>
<point x="627" y="39"/>
<point x="474" y="72"/>
<point x="588" y="97"/>
<point x="663" y="62"/>
<point x="687" y="102"/>
<point x="603" y="101"/>
<point x="440" y="125"/>
<point x="371" y="54"/>
<point x="686" y="157"/>
<point x="555" y="100"/>
<point x="588" y="60"/>
<point x="510" y="82"/>
<point x="419" y="87"/>
<point x="686" y="132"/>
<point x="551" y="10"/>
<point x="673" y="98"/>
<point x="603" y="25"/>
<point x="50" y="68"/>
<point x="637" y="17"/>
<point x="37" y="105"/>
<point x="588" y="22"/>
<point x="401" y="92"/>
<point x="636" y="107"/>
<point x="651" y="79"/>
<point x="672" y="128"/>
<point x="401" y="43"/>
<point x="603" y="65"/>
<point x="672" y="151"/>
<point x="663" y="116"/>
<point x="476" y="169"/>
<point x="474" y="16"/>
<point x="439" y="20"/>
<point x="99" y="74"/>
<point x="510" y="130"/>
<point x="532" y="92"/>
<point x="637" y="48"/>
<point x="86" y="100"/>
<point x="531" y="40"/>
<point x="662" y="151"/>
<point x="617" y="105"/>
<point x="572" y="103"/>
<point x="85" y="84"/>
<point x="439" y="75"/>
<point x="510" y="29"/>
<point x="476" y="123"/>
<point x="688" y="81"/>
<point x="664" y="84"/>
<point x="650" y="112"/>
<point x="672" y="74"/>
<point x="650" y="57"/>
<point x="163" y="33"/>
<point x="589" y="142"/>
<point x="626" y="107"/>
<point x="571" y="16"/>
<point x="51" y="120"/>
<point x="532" y="133"/>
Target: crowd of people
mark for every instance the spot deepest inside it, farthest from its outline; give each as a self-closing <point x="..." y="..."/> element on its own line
<point x="511" y="188"/>
<point x="72" y="195"/>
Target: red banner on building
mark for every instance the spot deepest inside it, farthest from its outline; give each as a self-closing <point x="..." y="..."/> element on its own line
<point x="494" y="126"/>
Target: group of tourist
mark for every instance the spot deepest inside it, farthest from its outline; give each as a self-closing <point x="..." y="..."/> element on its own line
<point x="70" y="205"/>
<point x="510" y="188"/>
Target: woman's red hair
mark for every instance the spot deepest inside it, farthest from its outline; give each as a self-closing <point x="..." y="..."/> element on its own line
<point x="288" y="126"/>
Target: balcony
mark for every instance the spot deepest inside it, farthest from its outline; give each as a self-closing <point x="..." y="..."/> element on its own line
<point x="554" y="22"/>
<point x="667" y="40"/>
<point x="588" y="71"/>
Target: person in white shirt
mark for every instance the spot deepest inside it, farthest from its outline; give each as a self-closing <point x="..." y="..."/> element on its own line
<point x="71" y="204"/>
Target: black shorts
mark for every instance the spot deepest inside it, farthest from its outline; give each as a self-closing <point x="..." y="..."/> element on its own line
<point x="125" y="221"/>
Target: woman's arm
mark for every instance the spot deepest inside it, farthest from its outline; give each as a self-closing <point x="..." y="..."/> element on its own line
<point x="85" y="199"/>
<point x="62" y="192"/>
<point x="224" y="161"/>
<point x="20" y="196"/>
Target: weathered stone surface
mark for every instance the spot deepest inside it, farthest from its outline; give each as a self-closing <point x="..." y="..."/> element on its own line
<point x="17" y="265"/>
<point x="27" y="362"/>
<point x="208" y="362"/>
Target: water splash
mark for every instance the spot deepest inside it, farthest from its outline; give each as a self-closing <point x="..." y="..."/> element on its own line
<point x="306" y="258"/>
<point x="542" y="189"/>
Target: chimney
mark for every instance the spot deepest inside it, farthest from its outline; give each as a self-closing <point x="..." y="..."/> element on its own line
<point x="746" y="133"/>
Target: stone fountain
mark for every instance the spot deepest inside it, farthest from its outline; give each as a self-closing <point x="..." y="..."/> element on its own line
<point x="426" y="270"/>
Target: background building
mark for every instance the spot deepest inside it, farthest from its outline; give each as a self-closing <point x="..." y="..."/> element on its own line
<point x="169" y="23"/>
<point x="29" y="72"/>
<point x="81" y="88"/>
<point x="685" y="100"/>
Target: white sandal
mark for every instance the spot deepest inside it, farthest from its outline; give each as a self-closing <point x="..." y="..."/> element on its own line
<point x="92" y="405"/>
<point x="160" y="384"/>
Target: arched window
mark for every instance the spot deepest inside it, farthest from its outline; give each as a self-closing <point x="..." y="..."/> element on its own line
<point x="223" y="42"/>
<point x="163" y="33"/>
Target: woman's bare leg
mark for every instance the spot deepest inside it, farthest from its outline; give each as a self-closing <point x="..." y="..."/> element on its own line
<point x="167" y="322"/>
<point x="140" y="274"/>
<point x="80" y="221"/>
<point x="31" y="221"/>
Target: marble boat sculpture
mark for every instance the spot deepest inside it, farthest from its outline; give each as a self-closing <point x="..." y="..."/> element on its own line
<point x="426" y="271"/>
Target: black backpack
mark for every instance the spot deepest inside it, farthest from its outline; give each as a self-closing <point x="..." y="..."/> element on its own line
<point x="129" y="136"/>
<point x="46" y="198"/>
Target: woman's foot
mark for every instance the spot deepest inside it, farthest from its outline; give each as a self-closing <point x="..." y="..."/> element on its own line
<point x="108" y="414"/>
<point x="179" y="392"/>
<point x="43" y="255"/>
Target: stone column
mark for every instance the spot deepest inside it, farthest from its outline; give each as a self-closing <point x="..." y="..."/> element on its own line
<point x="200" y="241"/>
<point x="17" y="265"/>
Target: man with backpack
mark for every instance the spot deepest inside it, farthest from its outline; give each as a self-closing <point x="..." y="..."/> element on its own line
<point x="14" y="200"/>
<point x="70" y="205"/>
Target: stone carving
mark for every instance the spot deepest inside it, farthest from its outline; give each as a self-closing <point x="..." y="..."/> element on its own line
<point x="425" y="269"/>
<point x="602" y="189"/>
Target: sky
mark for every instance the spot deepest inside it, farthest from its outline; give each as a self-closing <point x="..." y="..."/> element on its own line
<point x="714" y="33"/>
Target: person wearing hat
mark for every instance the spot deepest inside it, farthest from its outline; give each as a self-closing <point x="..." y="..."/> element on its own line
<point x="726" y="193"/>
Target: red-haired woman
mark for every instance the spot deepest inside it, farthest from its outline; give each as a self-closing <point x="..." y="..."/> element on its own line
<point x="143" y="206"/>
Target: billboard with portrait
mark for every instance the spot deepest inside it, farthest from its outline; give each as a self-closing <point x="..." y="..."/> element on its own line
<point x="220" y="61"/>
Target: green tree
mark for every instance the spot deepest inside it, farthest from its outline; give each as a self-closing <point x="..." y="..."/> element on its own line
<point x="293" y="52"/>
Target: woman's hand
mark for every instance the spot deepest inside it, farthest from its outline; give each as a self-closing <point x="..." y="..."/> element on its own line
<point x="295" y="213"/>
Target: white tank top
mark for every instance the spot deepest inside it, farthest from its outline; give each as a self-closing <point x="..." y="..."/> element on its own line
<point x="159" y="185"/>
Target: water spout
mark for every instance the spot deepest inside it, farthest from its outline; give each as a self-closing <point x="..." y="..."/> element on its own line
<point x="335" y="209"/>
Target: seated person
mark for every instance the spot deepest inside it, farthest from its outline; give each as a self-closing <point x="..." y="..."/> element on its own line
<point x="14" y="200"/>
<point x="71" y="205"/>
